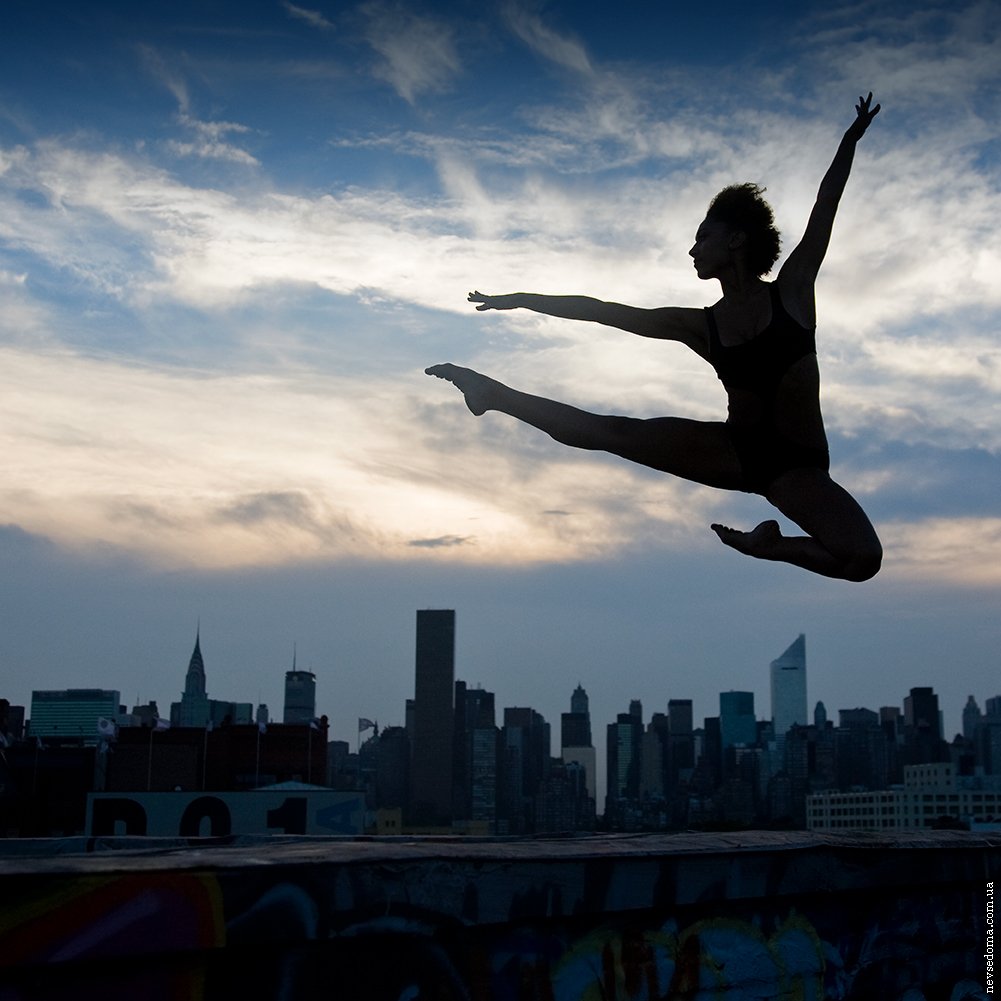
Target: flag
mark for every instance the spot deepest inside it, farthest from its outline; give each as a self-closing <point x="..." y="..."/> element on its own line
<point x="314" y="724"/>
<point x="262" y="727"/>
<point x="162" y="724"/>
<point x="105" y="728"/>
<point x="365" y="724"/>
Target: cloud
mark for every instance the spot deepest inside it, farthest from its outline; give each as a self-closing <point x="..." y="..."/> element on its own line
<point x="169" y="78"/>
<point x="141" y="309"/>
<point x="960" y="551"/>
<point x="559" y="49"/>
<point x="441" y="542"/>
<point x="210" y="141"/>
<point x="418" y="53"/>
<point x="312" y="17"/>
<point x="209" y="136"/>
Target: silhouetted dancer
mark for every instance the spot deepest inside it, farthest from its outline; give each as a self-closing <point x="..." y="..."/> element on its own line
<point x="760" y="339"/>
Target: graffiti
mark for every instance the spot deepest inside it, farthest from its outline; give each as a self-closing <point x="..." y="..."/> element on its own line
<point x="192" y="815"/>
<point x="57" y="936"/>
<point x="719" y="958"/>
<point x="361" y="920"/>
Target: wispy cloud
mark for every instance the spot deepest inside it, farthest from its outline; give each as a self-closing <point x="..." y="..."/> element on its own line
<point x="417" y="53"/>
<point x="441" y="542"/>
<point x="313" y="18"/>
<point x="210" y="141"/>
<point x="166" y="75"/>
<point x="210" y="137"/>
<point x="558" y="48"/>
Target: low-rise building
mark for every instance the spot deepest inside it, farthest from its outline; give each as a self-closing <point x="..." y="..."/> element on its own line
<point x="932" y="795"/>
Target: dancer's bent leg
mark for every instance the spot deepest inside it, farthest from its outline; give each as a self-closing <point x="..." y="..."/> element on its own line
<point x="841" y="541"/>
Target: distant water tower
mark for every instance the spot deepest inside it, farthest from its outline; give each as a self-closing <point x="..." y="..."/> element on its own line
<point x="300" y="696"/>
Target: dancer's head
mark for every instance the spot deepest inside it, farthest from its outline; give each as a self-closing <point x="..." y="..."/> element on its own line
<point x="741" y="208"/>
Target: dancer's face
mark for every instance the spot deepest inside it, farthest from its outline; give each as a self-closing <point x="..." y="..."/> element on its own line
<point x="712" y="249"/>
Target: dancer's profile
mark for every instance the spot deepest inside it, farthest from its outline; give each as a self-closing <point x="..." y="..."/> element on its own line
<point x="760" y="339"/>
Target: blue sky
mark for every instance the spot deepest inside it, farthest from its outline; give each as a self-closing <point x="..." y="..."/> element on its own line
<point x="233" y="235"/>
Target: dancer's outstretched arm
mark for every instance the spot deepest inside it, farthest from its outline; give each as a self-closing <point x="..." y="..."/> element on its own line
<point x="672" y="323"/>
<point x="799" y="273"/>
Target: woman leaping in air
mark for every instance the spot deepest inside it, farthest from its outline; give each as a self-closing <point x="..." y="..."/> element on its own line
<point x="760" y="339"/>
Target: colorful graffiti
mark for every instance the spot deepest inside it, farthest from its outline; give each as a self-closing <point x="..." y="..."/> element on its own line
<point x="374" y="922"/>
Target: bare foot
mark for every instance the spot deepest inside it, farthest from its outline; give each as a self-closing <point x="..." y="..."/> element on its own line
<point x="478" y="390"/>
<point x="758" y="542"/>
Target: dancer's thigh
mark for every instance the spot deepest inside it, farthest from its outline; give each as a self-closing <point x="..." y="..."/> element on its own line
<point x="700" y="451"/>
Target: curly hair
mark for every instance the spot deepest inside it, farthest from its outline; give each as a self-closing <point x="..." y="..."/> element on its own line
<point x="742" y="208"/>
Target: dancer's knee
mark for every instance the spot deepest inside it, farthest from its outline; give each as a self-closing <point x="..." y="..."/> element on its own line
<point x="865" y="564"/>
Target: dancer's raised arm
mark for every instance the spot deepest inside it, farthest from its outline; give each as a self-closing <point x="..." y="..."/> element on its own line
<point x="672" y="323"/>
<point x="803" y="264"/>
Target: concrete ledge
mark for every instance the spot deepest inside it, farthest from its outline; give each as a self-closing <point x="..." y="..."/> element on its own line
<point x="754" y="914"/>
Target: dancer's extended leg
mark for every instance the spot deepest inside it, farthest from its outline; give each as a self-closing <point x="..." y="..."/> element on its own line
<point x="695" y="450"/>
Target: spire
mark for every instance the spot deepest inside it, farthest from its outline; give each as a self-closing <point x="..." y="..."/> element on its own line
<point x="194" y="682"/>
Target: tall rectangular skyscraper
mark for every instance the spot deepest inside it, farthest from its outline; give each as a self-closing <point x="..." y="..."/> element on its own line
<point x="300" y="696"/>
<point x="737" y="722"/>
<point x="575" y="738"/>
<point x="431" y="779"/>
<point x="789" y="689"/>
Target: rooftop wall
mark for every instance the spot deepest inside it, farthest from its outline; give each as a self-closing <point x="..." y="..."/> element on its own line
<point x="751" y="915"/>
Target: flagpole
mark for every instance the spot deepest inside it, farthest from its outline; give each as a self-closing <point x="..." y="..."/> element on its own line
<point x="149" y="765"/>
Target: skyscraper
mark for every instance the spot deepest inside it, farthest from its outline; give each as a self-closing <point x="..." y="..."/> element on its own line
<point x="196" y="708"/>
<point x="789" y="689"/>
<point x="431" y="785"/>
<point x="300" y="696"/>
<point x="622" y="751"/>
<point x="193" y="709"/>
<point x="525" y="749"/>
<point x="972" y="718"/>
<point x="575" y="726"/>
<point x="681" y="742"/>
<point x="921" y="713"/>
<point x="736" y="719"/>
<point x="474" y="762"/>
<point x="923" y="728"/>
<point x="575" y="738"/>
<point x="72" y="713"/>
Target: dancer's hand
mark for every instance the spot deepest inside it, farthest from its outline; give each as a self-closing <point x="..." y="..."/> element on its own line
<point x="863" y="117"/>
<point x="491" y="301"/>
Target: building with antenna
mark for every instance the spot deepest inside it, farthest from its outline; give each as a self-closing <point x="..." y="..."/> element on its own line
<point x="300" y="696"/>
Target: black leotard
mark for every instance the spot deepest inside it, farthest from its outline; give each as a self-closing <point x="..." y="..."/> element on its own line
<point x="754" y="370"/>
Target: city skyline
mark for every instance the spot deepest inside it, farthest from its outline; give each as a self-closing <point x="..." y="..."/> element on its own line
<point x="234" y="236"/>
<point x="434" y="646"/>
<point x="453" y="767"/>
